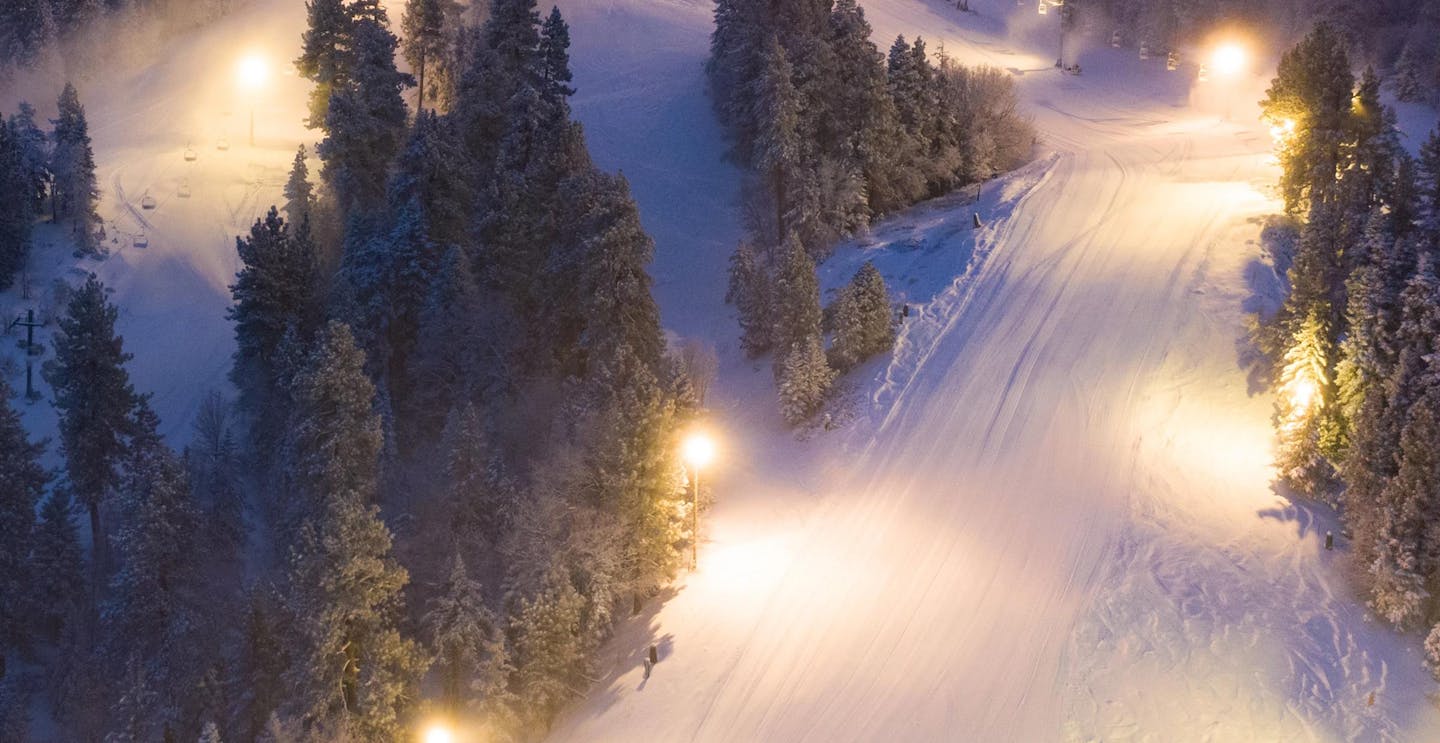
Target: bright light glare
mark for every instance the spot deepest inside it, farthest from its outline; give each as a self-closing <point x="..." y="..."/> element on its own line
<point x="1282" y="130"/>
<point x="1302" y="394"/>
<point x="252" y="71"/>
<point x="1228" y="59"/>
<point x="698" y="450"/>
<point x="438" y="733"/>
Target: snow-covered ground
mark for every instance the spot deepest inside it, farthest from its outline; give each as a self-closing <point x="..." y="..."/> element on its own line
<point x="1050" y="517"/>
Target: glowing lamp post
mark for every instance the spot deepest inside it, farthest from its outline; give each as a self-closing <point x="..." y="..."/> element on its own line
<point x="697" y="451"/>
<point x="438" y="733"/>
<point x="1227" y="62"/>
<point x="252" y="72"/>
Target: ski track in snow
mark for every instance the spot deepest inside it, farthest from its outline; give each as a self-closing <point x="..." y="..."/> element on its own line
<point x="1050" y="519"/>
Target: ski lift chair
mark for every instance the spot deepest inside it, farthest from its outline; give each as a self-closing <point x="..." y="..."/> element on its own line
<point x="1204" y="74"/>
<point x="1172" y="62"/>
<point x="148" y="202"/>
<point x="184" y="190"/>
<point x="223" y="144"/>
<point x="1144" y="51"/>
<point x="1115" y="39"/>
<point x="141" y="241"/>
<point x="191" y="155"/>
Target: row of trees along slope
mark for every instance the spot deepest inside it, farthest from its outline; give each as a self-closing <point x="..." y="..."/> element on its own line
<point x="836" y="135"/>
<point x="451" y="466"/>
<point x="1357" y="341"/>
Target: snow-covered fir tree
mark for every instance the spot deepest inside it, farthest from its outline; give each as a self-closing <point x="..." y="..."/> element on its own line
<point x="72" y="162"/>
<point x="22" y="484"/>
<point x="276" y="291"/>
<point x="862" y="319"/>
<point x="17" y="215"/>
<point x="299" y="195"/>
<point x="468" y="644"/>
<point x="94" y="397"/>
<point x="426" y="26"/>
<point x="365" y="121"/>
<point x="353" y="672"/>
<point x="750" y="291"/>
<point x="550" y="658"/>
<point x="804" y="380"/>
<point x="326" y="44"/>
<point x="796" y="300"/>
<point x="56" y="568"/>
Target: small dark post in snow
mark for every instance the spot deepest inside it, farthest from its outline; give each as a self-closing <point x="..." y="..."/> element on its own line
<point x="654" y="655"/>
<point x="978" y="224"/>
<point x="1329" y="540"/>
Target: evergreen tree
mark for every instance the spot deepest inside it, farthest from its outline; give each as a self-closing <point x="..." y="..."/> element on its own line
<point x="475" y="488"/>
<point x="554" y="53"/>
<point x="365" y="121"/>
<point x="213" y="462"/>
<point x="22" y="483"/>
<point x="275" y="292"/>
<point x="750" y="292"/>
<point x="299" y="197"/>
<point x="614" y="284"/>
<point x="424" y="25"/>
<point x="1312" y="88"/>
<point x="73" y="164"/>
<point x="323" y="57"/>
<point x="465" y="637"/>
<point x="154" y="611"/>
<point x="551" y="665"/>
<point x="777" y="149"/>
<point x="797" y="298"/>
<point x="863" y="321"/>
<point x="1304" y="391"/>
<point x="56" y="565"/>
<point x="94" y="397"/>
<point x="353" y="672"/>
<point x="804" y="379"/>
<point x="35" y="155"/>
<point x="260" y="668"/>
<point x="16" y="213"/>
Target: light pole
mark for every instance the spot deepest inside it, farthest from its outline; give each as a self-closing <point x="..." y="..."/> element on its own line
<point x="252" y="71"/>
<point x="697" y="451"/>
<point x="1228" y="62"/>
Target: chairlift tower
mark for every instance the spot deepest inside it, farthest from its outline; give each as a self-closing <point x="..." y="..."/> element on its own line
<point x="28" y="322"/>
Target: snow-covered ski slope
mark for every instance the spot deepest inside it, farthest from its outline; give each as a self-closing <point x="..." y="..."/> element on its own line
<point x="1052" y="519"/>
<point x="173" y="292"/>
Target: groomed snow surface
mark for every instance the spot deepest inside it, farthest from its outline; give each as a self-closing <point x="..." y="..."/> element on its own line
<point x="1048" y="517"/>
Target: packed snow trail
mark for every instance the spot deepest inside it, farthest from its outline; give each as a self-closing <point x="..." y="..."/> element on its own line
<point x="1055" y="519"/>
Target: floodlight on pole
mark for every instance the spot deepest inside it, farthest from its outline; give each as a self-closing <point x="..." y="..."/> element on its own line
<point x="1228" y="60"/>
<point x="252" y="72"/>
<point x="439" y="733"/>
<point x="698" y="450"/>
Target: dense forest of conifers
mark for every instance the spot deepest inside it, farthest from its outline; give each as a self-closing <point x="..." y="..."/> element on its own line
<point x="451" y="466"/>
<point x="1356" y="345"/>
